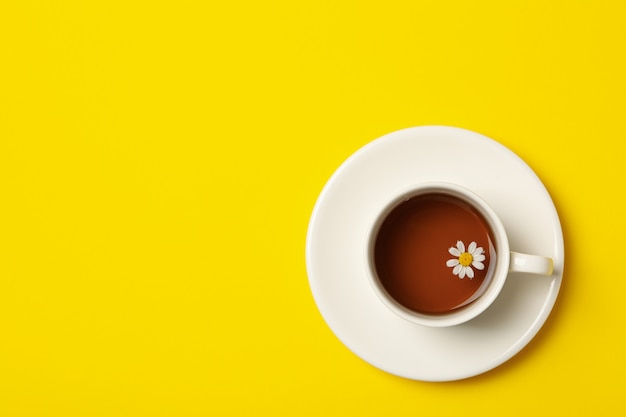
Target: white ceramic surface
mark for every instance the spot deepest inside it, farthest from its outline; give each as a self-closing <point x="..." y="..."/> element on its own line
<point x="337" y="269"/>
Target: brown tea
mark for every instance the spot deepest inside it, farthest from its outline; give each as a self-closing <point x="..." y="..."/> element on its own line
<point x="432" y="253"/>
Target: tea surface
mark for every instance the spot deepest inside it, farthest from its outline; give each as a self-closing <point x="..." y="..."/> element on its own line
<point x="424" y="256"/>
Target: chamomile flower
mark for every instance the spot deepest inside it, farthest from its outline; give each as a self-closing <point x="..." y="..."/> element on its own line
<point x="464" y="260"/>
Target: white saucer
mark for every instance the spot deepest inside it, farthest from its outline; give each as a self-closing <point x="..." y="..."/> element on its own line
<point x="336" y="266"/>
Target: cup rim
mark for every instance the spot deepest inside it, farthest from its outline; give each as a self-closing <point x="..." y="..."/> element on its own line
<point x="501" y="245"/>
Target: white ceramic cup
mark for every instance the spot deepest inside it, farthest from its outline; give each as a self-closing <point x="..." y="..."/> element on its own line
<point x="506" y="260"/>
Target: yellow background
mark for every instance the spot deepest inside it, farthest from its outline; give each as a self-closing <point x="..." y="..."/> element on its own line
<point x="159" y="162"/>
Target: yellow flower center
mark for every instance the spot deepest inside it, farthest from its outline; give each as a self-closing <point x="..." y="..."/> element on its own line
<point x="465" y="259"/>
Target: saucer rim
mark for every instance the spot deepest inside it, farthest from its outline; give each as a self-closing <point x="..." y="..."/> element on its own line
<point x="457" y="133"/>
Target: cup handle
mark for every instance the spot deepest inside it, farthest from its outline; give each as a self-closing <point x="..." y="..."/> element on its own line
<point x="521" y="262"/>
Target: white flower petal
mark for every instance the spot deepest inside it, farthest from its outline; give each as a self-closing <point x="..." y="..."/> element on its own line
<point x="457" y="269"/>
<point x="478" y="251"/>
<point x="454" y="252"/>
<point x="472" y="247"/>
<point x="478" y="265"/>
<point x="460" y="246"/>
<point x="452" y="262"/>
<point x="479" y="258"/>
<point x="462" y="272"/>
<point x="470" y="272"/>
